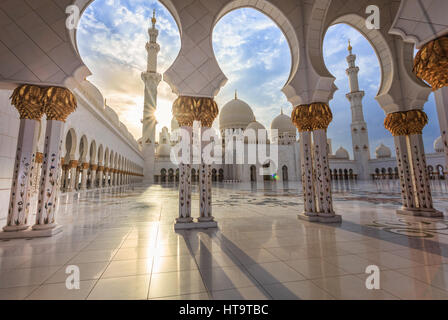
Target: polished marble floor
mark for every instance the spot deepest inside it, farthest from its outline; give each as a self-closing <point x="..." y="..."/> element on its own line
<point x="125" y="246"/>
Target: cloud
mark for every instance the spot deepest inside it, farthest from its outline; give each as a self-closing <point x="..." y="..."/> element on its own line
<point x="250" y="49"/>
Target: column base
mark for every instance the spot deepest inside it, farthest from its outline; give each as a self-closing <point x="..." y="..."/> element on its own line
<point x="15" y="228"/>
<point x="428" y="213"/>
<point x="195" y="225"/>
<point x="30" y="233"/>
<point x="312" y="217"/>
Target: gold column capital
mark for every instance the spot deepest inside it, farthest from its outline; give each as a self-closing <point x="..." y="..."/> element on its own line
<point x="310" y="117"/>
<point x="301" y="118"/>
<point x="100" y="168"/>
<point x="431" y="63"/>
<point x="85" y="166"/>
<point x="93" y="167"/>
<point x="58" y="103"/>
<point x="28" y="101"/>
<point x="187" y="109"/>
<point x="403" y="123"/>
<point x="321" y="114"/>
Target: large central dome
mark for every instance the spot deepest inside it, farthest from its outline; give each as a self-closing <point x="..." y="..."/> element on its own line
<point x="235" y="114"/>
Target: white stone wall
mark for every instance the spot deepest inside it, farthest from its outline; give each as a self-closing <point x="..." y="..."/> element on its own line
<point x="9" y="128"/>
<point x="88" y="121"/>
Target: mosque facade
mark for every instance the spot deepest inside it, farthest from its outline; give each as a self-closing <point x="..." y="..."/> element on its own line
<point x="236" y="119"/>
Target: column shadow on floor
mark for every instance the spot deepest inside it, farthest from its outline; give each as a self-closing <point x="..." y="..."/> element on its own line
<point x="205" y="261"/>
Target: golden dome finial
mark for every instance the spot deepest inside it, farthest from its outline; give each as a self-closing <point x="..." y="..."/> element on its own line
<point x="350" y="48"/>
<point x="154" y="20"/>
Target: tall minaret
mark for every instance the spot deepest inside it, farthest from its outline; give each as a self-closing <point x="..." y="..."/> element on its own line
<point x="360" y="136"/>
<point x="151" y="79"/>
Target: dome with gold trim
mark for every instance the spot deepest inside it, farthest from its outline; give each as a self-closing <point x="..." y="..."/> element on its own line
<point x="383" y="152"/>
<point x="283" y="124"/>
<point x="236" y="114"/>
<point x="342" y="153"/>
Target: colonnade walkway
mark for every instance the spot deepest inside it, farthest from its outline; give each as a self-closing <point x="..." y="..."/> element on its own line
<point x="124" y="244"/>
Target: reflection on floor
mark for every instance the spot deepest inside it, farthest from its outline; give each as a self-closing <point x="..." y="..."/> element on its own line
<point x="125" y="246"/>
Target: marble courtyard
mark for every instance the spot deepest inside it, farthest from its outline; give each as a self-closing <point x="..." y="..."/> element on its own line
<point x="91" y="211"/>
<point x="125" y="245"/>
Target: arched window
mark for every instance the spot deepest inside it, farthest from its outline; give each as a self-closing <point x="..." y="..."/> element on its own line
<point x="163" y="175"/>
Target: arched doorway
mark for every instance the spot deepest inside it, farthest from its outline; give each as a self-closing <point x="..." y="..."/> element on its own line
<point x="253" y="173"/>
<point x="214" y="175"/>
<point x="285" y="173"/>
<point x="221" y="175"/>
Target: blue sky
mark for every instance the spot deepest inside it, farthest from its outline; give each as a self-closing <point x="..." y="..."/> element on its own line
<point x="250" y="49"/>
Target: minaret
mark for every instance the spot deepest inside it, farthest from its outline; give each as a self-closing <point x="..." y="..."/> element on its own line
<point x="151" y="79"/>
<point x="360" y="136"/>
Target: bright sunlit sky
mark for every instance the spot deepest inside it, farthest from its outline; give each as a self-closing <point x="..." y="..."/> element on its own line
<point x="250" y="49"/>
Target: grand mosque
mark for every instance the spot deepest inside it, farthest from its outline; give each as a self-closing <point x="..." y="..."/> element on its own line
<point x="236" y="116"/>
<point x="89" y="212"/>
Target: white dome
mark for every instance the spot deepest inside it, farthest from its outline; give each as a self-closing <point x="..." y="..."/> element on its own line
<point x="341" y="153"/>
<point x="164" y="150"/>
<point x="283" y="124"/>
<point x="235" y="114"/>
<point x="438" y="145"/>
<point x="383" y="152"/>
<point x="255" y="126"/>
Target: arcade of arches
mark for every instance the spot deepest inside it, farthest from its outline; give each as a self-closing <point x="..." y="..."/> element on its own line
<point x="47" y="85"/>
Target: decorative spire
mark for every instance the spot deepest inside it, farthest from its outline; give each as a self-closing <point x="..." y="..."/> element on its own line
<point x="154" y="20"/>
<point x="236" y="94"/>
<point x="350" y="48"/>
<point x="281" y="110"/>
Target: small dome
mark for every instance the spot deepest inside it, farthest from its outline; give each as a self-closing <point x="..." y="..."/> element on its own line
<point x="438" y="145"/>
<point x="341" y="153"/>
<point x="235" y="114"/>
<point x="255" y="126"/>
<point x="163" y="150"/>
<point x="383" y="152"/>
<point x="283" y="124"/>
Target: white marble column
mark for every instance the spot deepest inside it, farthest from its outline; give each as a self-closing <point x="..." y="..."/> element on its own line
<point x="306" y="159"/>
<point x="322" y="183"/>
<point x="63" y="176"/>
<point x="441" y="96"/>
<point x="49" y="183"/>
<point x="93" y="169"/>
<point x="84" y="172"/>
<point x="19" y="203"/>
<point x="100" y="174"/>
<point x="185" y="186"/>
<point x="420" y="175"/>
<point x="205" y="187"/>
<point x="404" y="171"/>
<point x="73" y="166"/>
<point x="407" y="127"/>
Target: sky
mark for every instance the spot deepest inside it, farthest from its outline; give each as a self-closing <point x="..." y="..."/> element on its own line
<point x="251" y="51"/>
